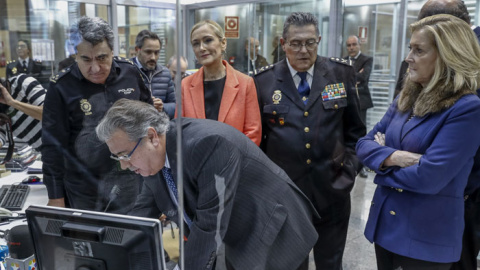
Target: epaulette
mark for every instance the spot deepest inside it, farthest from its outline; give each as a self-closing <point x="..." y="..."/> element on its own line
<point x="37" y="61"/>
<point x="60" y="74"/>
<point x="339" y="60"/>
<point x="123" y="59"/>
<point x="260" y="70"/>
<point x="11" y="61"/>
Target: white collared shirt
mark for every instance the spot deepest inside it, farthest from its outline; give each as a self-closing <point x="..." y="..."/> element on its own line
<point x="26" y="61"/>
<point x="296" y="78"/>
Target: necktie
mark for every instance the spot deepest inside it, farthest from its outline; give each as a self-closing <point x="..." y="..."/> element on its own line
<point x="24" y="65"/>
<point x="352" y="60"/>
<point x="167" y="174"/>
<point x="303" y="87"/>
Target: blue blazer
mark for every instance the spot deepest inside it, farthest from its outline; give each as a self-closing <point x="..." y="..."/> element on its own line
<point x="417" y="211"/>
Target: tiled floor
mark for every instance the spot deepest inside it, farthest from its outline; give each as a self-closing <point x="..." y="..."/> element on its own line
<point x="359" y="252"/>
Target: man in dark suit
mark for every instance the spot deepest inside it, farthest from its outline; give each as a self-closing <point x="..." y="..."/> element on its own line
<point x="241" y="210"/>
<point x="24" y="64"/>
<point x="362" y="64"/>
<point x="311" y="124"/>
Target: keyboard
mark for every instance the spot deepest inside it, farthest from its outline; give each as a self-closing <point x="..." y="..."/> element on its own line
<point x="13" y="197"/>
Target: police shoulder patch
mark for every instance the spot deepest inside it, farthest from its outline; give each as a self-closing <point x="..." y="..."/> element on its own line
<point x="339" y="60"/>
<point x="123" y="60"/>
<point x="260" y="70"/>
<point x="60" y="74"/>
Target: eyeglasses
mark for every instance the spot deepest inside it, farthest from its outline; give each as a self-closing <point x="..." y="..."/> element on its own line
<point x="310" y="45"/>
<point x="125" y="157"/>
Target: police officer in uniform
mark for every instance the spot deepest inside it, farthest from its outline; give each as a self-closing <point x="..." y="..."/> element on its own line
<point x="311" y="123"/>
<point x="24" y="64"/>
<point x="77" y="167"/>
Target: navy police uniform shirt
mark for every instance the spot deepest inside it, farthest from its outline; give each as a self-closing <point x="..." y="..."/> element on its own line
<point x="73" y="108"/>
<point x="313" y="142"/>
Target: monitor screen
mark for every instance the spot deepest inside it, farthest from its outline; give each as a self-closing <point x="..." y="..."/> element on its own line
<point x="85" y="240"/>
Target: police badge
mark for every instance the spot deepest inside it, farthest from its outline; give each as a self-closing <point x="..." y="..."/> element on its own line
<point x="86" y="106"/>
<point x="277" y="96"/>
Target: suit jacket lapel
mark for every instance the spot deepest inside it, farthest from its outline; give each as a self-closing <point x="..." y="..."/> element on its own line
<point x="229" y="93"/>
<point x="197" y="94"/>
<point x="286" y="84"/>
<point x="415" y="121"/>
<point x="319" y="82"/>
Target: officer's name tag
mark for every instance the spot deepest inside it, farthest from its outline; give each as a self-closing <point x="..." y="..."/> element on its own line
<point x="334" y="91"/>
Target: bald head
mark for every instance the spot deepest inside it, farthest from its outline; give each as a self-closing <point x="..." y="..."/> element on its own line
<point x="254" y="46"/>
<point x="453" y="7"/>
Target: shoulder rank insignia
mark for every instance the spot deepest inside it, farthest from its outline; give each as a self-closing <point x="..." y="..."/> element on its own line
<point x="124" y="60"/>
<point x="339" y="60"/>
<point x="262" y="69"/>
<point x="60" y="74"/>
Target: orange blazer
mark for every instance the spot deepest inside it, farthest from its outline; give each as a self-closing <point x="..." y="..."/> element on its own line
<point x="238" y="108"/>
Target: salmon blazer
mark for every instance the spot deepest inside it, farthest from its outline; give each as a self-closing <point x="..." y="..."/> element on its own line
<point x="238" y="108"/>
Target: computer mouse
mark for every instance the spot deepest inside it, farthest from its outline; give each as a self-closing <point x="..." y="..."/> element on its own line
<point x="33" y="179"/>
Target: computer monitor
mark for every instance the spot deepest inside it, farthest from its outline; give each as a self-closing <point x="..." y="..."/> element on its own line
<point x="85" y="240"/>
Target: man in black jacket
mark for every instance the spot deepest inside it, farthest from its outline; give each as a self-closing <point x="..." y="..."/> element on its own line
<point x="77" y="168"/>
<point x="156" y="77"/>
<point x="362" y="64"/>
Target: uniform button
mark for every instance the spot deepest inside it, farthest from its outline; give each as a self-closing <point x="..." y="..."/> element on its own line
<point x="341" y="164"/>
<point x="465" y="198"/>
<point x="307" y="146"/>
<point x="336" y="106"/>
<point x="392" y="213"/>
<point x="274" y="112"/>
<point x="309" y="161"/>
<point x="305" y="114"/>
<point x="306" y="129"/>
<point x="399" y="190"/>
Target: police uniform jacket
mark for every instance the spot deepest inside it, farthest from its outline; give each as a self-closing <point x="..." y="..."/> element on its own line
<point x="73" y="107"/>
<point x="245" y="211"/>
<point x="417" y="211"/>
<point x="160" y="83"/>
<point x="313" y="143"/>
<point x="15" y="67"/>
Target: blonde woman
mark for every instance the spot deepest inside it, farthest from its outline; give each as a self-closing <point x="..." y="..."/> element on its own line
<point x="217" y="91"/>
<point x="422" y="150"/>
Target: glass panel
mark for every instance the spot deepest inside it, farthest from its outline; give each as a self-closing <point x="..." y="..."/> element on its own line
<point x="132" y="20"/>
<point x="263" y="22"/>
<point x="45" y="25"/>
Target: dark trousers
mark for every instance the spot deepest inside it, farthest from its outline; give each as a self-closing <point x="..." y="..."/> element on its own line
<point x="332" y="234"/>
<point x="363" y="115"/>
<point x="387" y="260"/>
<point x="471" y="234"/>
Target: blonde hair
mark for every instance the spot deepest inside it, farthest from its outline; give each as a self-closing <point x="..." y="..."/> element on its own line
<point x="217" y="29"/>
<point x="456" y="67"/>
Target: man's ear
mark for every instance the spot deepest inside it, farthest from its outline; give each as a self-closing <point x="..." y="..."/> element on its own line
<point x="153" y="136"/>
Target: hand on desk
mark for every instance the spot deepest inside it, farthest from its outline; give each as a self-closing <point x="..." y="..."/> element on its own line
<point x="56" y="202"/>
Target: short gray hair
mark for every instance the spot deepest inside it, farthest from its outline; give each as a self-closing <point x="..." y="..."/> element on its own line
<point x="132" y="117"/>
<point x="300" y="19"/>
<point x="93" y="30"/>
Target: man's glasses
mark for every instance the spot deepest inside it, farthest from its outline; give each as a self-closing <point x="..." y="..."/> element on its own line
<point x="310" y="45"/>
<point x="125" y="157"/>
